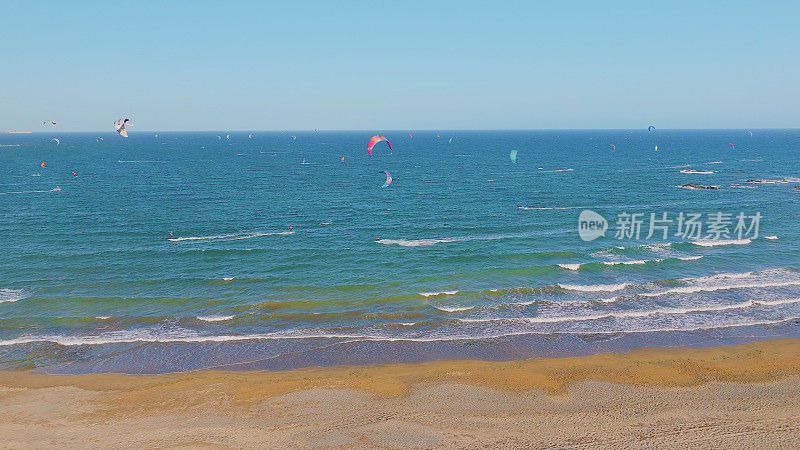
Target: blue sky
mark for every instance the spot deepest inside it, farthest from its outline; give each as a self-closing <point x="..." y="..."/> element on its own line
<point x="400" y="65"/>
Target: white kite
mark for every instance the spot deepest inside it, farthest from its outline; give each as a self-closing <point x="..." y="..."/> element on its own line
<point x="120" y="125"/>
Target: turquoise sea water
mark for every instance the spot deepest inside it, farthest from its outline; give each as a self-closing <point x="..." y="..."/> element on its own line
<point x="464" y="255"/>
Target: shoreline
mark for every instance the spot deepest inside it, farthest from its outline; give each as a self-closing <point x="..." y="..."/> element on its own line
<point x="446" y="403"/>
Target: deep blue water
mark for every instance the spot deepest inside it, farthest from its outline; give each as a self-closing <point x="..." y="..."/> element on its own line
<point x="464" y="255"/>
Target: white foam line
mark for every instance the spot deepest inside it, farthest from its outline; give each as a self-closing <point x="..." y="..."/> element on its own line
<point x="704" y="172"/>
<point x="577" y="266"/>
<point x="551" y="207"/>
<point x="98" y="340"/>
<point x="214" y="318"/>
<point x="784" y="180"/>
<point x="718" y="242"/>
<point x="434" y="294"/>
<point x="432" y="241"/>
<point x="55" y="189"/>
<point x="228" y="237"/>
<point x="454" y="308"/>
<point x="594" y="287"/>
<point x="11" y="295"/>
<point x="632" y="262"/>
<point x="695" y="289"/>
<point x="628" y="314"/>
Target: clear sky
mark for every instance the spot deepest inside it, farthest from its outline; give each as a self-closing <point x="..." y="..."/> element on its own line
<point x="375" y="65"/>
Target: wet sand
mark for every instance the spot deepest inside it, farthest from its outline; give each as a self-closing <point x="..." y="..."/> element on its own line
<point x="735" y="396"/>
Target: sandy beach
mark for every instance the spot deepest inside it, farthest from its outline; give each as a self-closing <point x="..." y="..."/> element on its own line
<point x="734" y="396"/>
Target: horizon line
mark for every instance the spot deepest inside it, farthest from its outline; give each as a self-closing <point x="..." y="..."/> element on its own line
<point x="405" y="130"/>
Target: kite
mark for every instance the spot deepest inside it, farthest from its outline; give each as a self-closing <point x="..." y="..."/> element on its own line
<point x="120" y="124"/>
<point x="388" y="178"/>
<point x="374" y="140"/>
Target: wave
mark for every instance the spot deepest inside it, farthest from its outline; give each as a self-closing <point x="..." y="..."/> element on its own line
<point x="556" y="170"/>
<point x="653" y="247"/>
<point x="229" y="237"/>
<point x="724" y="287"/>
<point x="140" y="161"/>
<point x="771" y="238"/>
<point x="542" y="208"/>
<point x="784" y="180"/>
<point x="632" y="262"/>
<point x="727" y="281"/>
<point x="55" y="189"/>
<point x="454" y="308"/>
<point x="11" y="295"/>
<point x="718" y="242"/>
<point x="629" y="314"/>
<point x="594" y="287"/>
<point x="214" y="318"/>
<point x="704" y="172"/>
<point x="436" y="294"/>
<point x="578" y="266"/>
<point x="692" y="186"/>
<point x="711" y="283"/>
<point x="131" y="337"/>
<point x="432" y="241"/>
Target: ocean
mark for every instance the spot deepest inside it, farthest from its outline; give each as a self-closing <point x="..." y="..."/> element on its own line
<point x="278" y="264"/>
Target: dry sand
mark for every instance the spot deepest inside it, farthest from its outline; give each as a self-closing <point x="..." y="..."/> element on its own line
<point x="733" y="397"/>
